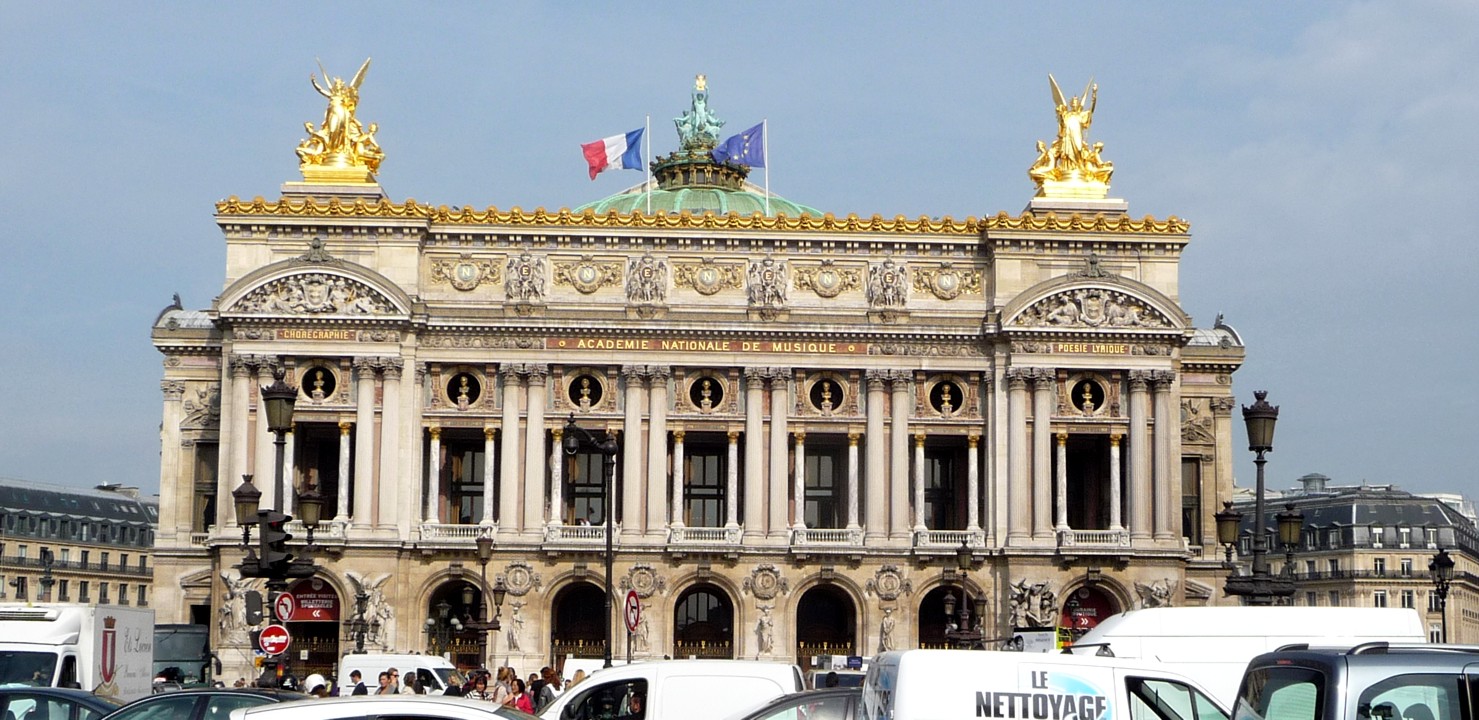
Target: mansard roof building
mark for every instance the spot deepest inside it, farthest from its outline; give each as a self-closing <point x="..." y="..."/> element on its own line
<point x="817" y="419"/>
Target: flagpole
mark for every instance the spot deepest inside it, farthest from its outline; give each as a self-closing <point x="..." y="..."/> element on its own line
<point x="765" y="148"/>
<point x="647" y="160"/>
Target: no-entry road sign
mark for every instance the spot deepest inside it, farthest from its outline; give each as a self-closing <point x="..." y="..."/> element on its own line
<point x="633" y="611"/>
<point x="285" y="605"/>
<point x="274" y="639"/>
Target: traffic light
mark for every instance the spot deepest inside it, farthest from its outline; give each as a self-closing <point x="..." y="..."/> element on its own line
<point x="253" y="607"/>
<point x="273" y="535"/>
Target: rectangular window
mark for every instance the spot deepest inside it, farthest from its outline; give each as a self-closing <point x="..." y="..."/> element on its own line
<point x="82" y="595"/>
<point x="1309" y="568"/>
<point x="1332" y="538"/>
<point x="1405" y="565"/>
<point x="20" y="551"/>
<point x="122" y="593"/>
<point x="203" y="511"/>
<point x="143" y="562"/>
<point x="123" y="561"/>
<point x="63" y="593"/>
<point x="1377" y="533"/>
<point x="1431" y="536"/>
<point x="1433" y="604"/>
<point x="66" y="555"/>
<point x="1191" y="500"/>
<point x="463" y="475"/>
<point x="102" y="561"/>
<point x="705" y="480"/>
<point x="825" y="484"/>
<point x="1379" y="598"/>
<point x="1404" y="537"/>
<point x="1379" y="567"/>
<point x="20" y="588"/>
<point x="584" y="475"/>
<point x="941" y="501"/>
<point x="1311" y="599"/>
<point x="1333" y="565"/>
<point x="1409" y="599"/>
<point x="143" y="601"/>
<point x="103" y="593"/>
<point x="85" y="558"/>
<point x="1334" y="598"/>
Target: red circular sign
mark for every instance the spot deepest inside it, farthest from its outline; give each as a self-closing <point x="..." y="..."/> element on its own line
<point x="274" y="639"/>
<point x="633" y="611"/>
<point x="285" y="606"/>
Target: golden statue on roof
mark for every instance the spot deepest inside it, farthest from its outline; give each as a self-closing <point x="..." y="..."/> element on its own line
<point x="1071" y="167"/>
<point x="341" y="149"/>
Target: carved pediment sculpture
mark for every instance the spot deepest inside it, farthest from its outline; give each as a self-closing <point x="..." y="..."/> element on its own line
<point x="1159" y="593"/>
<point x="524" y="278"/>
<point x="767" y="287"/>
<point x="1196" y="426"/>
<point x="647" y="281"/>
<point x="315" y="294"/>
<point x="1092" y="307"/>
<point x="888" y="284"/>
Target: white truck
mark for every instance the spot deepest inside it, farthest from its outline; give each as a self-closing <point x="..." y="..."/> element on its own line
<point x="106" y="649"/>
<point x="1214" y="644"/>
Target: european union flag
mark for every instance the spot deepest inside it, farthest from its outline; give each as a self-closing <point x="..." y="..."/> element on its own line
<point x="746" y="148"/>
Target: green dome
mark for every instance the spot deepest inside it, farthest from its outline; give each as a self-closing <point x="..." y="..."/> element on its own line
<point x="697" y="200"/>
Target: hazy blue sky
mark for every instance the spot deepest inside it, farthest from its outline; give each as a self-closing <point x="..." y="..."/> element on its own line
<point x="1324" y="153"/>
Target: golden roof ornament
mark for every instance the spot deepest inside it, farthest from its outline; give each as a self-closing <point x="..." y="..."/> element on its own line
<point x="340" y="150"/>
<point x="1071" y="167"/>
<point x="700" y="83"/>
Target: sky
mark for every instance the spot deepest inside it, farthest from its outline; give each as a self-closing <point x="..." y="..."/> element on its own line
<point x="1324" y="154"/>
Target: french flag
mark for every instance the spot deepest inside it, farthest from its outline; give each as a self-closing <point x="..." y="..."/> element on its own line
<point x="618" y="151"/>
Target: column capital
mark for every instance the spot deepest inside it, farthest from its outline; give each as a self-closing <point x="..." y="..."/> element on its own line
<point x="1044" y="378"/>
<point x="633" y="373"/>
<point x="678" y="435"/>
<point x="1223" y="405"/>
<point x="875" y="379"/>
<point x="392" y="367"/>
<point x="756" y="374"/>
<point x="1062" y="439"/>
<point x="436" y="432"/>
<point x="1139" y="380"/>
<point x="510" y="373"/>
<point x="1163" y="379"/>
<point x="537" y="373"/>
<point x="344" y="427"/>
<point x="919" y="439"/>
<point x="1114" y="439"/>
<point x="1017" y="378"/>
<point x="799" y="435"/>
<point x="779" y="374"/>
<point x="733" y="436"/>
<point x="173" y="389"/>
<point x="364" y="367"/>
<point x="658" y="373"/>
<point x="241" y="365"/>
<point x="973" y="440"/>
<point x="489" y="432"/>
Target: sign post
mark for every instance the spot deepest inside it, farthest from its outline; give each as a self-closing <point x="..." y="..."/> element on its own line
<point x="632" y="613"/>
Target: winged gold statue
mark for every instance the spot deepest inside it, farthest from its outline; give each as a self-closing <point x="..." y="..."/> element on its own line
<point x="340" y="149"/>
<point x="1071" y="167"/>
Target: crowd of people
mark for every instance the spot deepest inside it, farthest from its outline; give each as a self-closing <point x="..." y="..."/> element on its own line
<point x="504" y="687"/>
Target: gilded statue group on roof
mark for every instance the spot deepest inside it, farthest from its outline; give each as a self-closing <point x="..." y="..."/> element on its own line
<point x="1071" y="166"/>
<point x="340" y="148"/>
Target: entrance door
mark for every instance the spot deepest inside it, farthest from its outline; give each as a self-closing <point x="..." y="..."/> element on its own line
<point x="314" y="627"/>
<point x="826" y="624"/>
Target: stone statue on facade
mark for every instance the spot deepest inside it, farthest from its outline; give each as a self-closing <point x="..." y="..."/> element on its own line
<point x="647" y="281"/>
<point x="1156" y="594"/>
<point x="516" y="627"/>
<point x="888" y="284"/>
<point x="340" y="145"/>
<point x="886" y="631"/>
<point x="525" y="278"/>
<point x="765" y="631"/>
<point x="698" y="128"/>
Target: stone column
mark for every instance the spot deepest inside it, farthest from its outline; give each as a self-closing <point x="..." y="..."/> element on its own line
<point x="489" y="454"/>
<point x="852" y="480"/>
<point x="240" y="414"/>
<point x="731" y="488"/>
<point x="1167" y="425"/>
<point x="631" y="454"/>
<point x="919" y="525"/>
<point x="342" y="511"/>
<point x="875" y="520"/>
<point x="433" y="474"/>
<point x="898" y="493"/>
<point x="798" y="486"/>
<point x="1139" y="501"/>
<point x="534" y="451"/>
<point x="289" y="470"/>
<point x="509" y="451"/>
<point x="364" y="443"/>
<point x="973" y="481"/>
<point x="264" y="466"/>
<point x="169" y="461"/>
<point x="1115" y="520"/>
<point x="780" y="412"/>
<point x="754" y="454"/>
<point x="394" y="494"/>
<point x="680" y="466"/>
<point x="1061" y="481"/>
<point x="1019" y="485"/>
<point x="1042" y="454"/>
<point x="657" y="450"/>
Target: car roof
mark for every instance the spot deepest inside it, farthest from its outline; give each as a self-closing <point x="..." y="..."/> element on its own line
<point x="1412" y="656"/>
<point x="69" y="693"/>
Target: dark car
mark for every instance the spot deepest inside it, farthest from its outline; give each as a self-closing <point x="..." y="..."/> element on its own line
<point x="833" y="703"/>
<point x="33" y="703"/>
<point x="201" y="704"/>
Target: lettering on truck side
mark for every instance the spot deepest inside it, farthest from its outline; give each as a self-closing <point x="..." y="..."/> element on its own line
<point x="1054" y="697"/>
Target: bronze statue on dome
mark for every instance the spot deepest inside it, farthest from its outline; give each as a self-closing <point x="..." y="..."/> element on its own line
<point x="1071" y="166"/>
<point x="698" y="129"/>
<point x="340" y="149"/>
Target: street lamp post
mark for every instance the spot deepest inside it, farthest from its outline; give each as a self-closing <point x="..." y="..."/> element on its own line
<point x="278" y="399"/>
<point x="1441" y="568"/>
<point x="441" y="628"/>
<point x="47" y="580"/>
<point x="958" y="629"/>
<point x="577" y="437"/>
<point x="1259" y="587"/>
<point x="484" y="624"/>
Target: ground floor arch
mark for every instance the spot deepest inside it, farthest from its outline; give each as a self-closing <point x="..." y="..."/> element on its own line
<point x="314" y="624"/>
<point x="1084" y="607"/>
<point x="703" y="623"/>
<point x="826" y="624"/>
<point x="576" y="626"/>
<point x="454" y="609"/>
<point x="940" y="611"/>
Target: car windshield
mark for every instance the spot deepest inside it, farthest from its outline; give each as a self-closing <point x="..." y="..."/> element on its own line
<point x="27" y="668"/>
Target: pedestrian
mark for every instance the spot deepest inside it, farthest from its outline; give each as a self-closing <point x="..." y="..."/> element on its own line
<point x="385" y="686"/>
<point x="535" y="686"/>
<point x="413" y="684"/>
<point x="240" y="682"/>
<point x="501" y="687"/>
<point x="356" y="683"/>
<point x="479" y="689"/>
<point x="316" y="685"/>
<point x="579" y="675"/>
<point x="521" y="697"/>
<point x="550" y="691"/>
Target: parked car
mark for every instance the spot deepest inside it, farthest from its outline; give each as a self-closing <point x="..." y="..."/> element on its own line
<point x="30" y="703"/>
<point x="201" y="703"/>
<point x="357" y="707"/>
<point x="675" y="690"/>
<point x="833" y="703"/>
<point x="1371" y="681"/>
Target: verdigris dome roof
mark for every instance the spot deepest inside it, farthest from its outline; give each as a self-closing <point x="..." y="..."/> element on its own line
<point x="692" y="179"/>
<point x="696" y="199"/>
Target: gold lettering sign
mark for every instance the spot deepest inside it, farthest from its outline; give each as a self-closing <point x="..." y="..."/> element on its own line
<point x="800" y="347"/>
<point x="316" y="334"/>
<point x="1091" y="348"/>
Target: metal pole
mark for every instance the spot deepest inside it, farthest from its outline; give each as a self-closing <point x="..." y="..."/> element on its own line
<point x="277" y="498"/>
<point x="610" y="553"/>
<point x="1261" y="595"/>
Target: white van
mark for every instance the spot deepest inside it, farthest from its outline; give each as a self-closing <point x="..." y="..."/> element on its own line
<point x="970" y="684"/>
<point x="433" y="670"/>
<point x="675" y="690"/>
<point x="1214" y="644"/>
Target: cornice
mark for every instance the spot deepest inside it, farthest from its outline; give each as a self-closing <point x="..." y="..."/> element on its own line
<point x="516" y="217"/>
